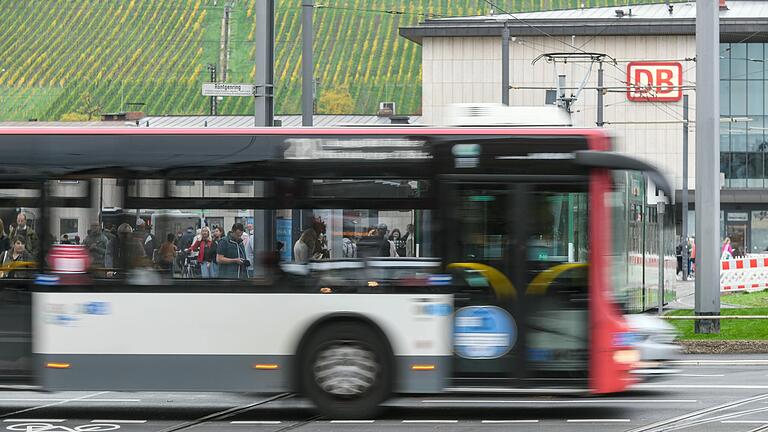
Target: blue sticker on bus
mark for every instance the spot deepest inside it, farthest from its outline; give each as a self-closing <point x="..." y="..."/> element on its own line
<point x="440" y="279"/>
<point x="626" y="339"/>
<point x="483" y="332"/>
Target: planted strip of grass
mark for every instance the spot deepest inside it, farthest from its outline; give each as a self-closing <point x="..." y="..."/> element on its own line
<point x="734" y="329"/>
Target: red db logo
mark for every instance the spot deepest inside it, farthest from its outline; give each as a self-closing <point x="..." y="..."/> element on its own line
<point x="654" y="81"/>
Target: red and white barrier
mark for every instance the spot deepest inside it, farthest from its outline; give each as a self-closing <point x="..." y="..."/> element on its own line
<point x="744" y="274"/>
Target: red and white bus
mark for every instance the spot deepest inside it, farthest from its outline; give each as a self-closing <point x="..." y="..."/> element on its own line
<point x="384" y="261"/>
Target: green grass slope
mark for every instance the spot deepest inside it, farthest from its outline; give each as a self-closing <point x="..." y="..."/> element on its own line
<point x="64" y="56"/>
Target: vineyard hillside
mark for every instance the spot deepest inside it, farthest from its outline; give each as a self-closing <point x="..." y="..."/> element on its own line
<point x="70" y="59"/>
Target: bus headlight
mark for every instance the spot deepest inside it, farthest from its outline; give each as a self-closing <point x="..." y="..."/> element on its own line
<point x="626" y="356"/>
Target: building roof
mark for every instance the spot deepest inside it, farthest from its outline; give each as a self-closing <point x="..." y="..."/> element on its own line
<point x="742" y="18"/>
<point x="220" y="122"/>
<point x="247" y="121"/>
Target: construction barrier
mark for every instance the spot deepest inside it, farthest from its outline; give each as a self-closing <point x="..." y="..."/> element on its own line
<point x="744" y="274"/>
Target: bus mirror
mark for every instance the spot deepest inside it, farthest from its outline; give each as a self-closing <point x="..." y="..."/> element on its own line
<point x="610" y="160"/>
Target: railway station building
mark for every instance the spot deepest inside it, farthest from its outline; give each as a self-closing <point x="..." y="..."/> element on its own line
<point x="647" y="56"/>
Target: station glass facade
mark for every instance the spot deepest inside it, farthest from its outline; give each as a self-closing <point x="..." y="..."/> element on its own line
<point x="744" y="141"/>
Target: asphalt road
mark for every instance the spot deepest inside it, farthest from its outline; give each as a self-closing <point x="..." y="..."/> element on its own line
<point x="729" y="395"/>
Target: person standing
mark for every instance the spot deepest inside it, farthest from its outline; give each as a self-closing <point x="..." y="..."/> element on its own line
<point x="217" y="235"/>
<point x="726" y="252"/>
<point x="399" y="241"/>
<point x="410" y="241"/>
<point x="5" y="240"/>
<point x="230" y="254"/>
<point x="97" y="244"/>
<point x="375" y="244"/>
<point x="203" y="247"/>
<point x="692" y="260"/>
<point x="26" y="232"/>
<point x="309" y="243"/>
<point x="167" y="253"/>
<point x="19" y="256"/>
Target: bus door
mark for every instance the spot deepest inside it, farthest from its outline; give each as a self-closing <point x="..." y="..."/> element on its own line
<point x="19" y="202"/>
<point x="518" y="254"/>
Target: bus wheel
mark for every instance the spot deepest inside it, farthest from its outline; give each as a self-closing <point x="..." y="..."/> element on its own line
<point x="346" y="370"/>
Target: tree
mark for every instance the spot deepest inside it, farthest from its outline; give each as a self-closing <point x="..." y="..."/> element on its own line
<point x="74" y="117"/>
<point x="336" y="100"/>
<point x="90" y="106"/>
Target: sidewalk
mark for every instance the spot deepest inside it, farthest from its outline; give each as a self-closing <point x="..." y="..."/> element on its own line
<point x="686" y="300"/>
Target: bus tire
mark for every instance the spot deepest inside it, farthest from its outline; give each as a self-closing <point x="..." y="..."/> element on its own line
<point x="346" y="370"/>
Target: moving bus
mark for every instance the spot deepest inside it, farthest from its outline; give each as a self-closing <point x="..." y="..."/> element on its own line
<point x="500" y="278"/>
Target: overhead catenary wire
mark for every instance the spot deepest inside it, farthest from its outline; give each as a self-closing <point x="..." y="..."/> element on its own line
<point x="668" y="111"/>
<point x="561" y="41"/>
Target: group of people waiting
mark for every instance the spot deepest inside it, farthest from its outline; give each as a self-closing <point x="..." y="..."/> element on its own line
<point x="378" y="242"/>
<point x="210" y="253"/>
<point x="206" y="252"/>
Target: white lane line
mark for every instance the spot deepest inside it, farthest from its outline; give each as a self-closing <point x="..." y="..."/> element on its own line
<point x="694" y="362"/>
<point x="256" y="422"/>
<point x="508" y="421"/>
<point x="700" y="386"/>
<point x="66" y="400"/>
<point x="53" y="404"/>
<point x="598" y="420"/>
<point x="35" y="420"/>
<point x="352" y="421"/>
<point x="701" y="375"/>
<point x="430" y="421"/>
<point x="119" y="421"/>
<point x="585" y="401"/>
<point x="745" y="421"/>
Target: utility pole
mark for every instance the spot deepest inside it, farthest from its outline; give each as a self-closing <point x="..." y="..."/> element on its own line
<point x="265" y="56"/>
<point x="600" y="95"/>
<point x="685" y="188"/>
<point x="660" y="210"/>
<point x="212" y="70"/>
<point x="707" y="165"/>
<point x="307" y="66"/>
<point x="505" y="64"/>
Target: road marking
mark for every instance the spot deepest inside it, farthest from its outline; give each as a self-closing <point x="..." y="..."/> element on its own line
<point x="430" y="421"/>
<point x="66" y="400"/>
<point x="745" y="421"/>
<point x="585" y="401"/>
<point x="508" y="421"/>
<point x="693" y="362"/>
<point x="598" y="420"/>
<point x="35" y="420"/>
<point x="256" y="422"/>
<point x="352" y="421"/>
<point x="700" y="386"/>
<point x="119" y="421"/>
<point x="52" y="404"/>
<point x="701" y="375"/>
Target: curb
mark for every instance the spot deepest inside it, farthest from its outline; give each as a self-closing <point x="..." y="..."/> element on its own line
<point x="719" y="362"/>
<point x="724" y="346"/>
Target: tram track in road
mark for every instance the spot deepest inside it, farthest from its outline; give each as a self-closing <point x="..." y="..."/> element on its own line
<point x="695" y="418"/>
<point x="227" y="413"/>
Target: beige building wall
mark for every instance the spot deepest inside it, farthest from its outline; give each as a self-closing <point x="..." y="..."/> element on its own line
<point x="468" y="70"/>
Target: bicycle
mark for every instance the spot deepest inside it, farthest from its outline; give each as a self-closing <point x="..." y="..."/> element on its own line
<point x="190" y="268"/>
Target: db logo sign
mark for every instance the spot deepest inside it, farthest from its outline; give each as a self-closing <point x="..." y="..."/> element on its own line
<point x="654" y="81"/>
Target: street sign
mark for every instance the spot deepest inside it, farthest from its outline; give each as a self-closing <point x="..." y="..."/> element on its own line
<point x="224" y="89"/>
<point x="654" y="81"/>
